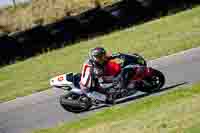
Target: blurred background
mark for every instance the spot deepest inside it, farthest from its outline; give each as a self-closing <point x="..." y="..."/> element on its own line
<point x="11" y="2"/>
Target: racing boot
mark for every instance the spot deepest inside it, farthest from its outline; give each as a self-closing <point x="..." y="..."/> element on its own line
<point x="110" y="100"/>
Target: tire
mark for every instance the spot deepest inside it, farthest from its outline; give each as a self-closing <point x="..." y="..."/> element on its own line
<point x="157" y="80"/>
<point x="73" y="105"/>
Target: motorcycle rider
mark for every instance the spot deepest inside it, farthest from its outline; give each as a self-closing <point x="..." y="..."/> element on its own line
<point x="99" y="75"/>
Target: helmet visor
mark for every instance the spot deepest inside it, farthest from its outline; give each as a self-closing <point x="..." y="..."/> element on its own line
<point x="100" y="58"/>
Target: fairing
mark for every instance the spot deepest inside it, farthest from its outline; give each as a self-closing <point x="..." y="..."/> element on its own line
<point x="60" y="81"/>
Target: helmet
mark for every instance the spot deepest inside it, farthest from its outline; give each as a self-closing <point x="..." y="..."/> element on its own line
<point x="97" y="55"/>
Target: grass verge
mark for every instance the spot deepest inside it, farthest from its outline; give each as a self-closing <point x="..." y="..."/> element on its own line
<point x="172" y="112"/>
<point x="154" y="39"/>
<point x="193" y="129"/>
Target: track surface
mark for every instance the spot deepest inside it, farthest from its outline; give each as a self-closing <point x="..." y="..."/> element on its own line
<point x="42" y="110"/>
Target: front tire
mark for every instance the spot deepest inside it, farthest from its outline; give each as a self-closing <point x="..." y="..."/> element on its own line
<point x="75" y="103"/>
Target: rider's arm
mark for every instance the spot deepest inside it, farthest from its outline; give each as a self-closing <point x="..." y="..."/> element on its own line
<point x="86" y="77"/>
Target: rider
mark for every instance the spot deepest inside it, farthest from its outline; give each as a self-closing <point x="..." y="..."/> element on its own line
<point x="97" y="74"/>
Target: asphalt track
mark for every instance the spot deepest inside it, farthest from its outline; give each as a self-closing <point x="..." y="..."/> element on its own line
<point x="42" y="110"/>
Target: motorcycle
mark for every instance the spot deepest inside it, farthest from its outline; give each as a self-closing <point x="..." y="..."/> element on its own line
<point x="75" y="100"/>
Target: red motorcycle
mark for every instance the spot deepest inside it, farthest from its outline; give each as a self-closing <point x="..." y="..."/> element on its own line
<point x="75" y="100"/>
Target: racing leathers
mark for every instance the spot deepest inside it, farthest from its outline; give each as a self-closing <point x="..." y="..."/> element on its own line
<point x="99" y="77"/>
<point x="93" y="76"/>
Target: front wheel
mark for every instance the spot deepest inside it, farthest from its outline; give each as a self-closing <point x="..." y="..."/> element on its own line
<point x="75" y="103"/>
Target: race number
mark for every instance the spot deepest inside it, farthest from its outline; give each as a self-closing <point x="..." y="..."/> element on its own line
<point x="61" y="78"/>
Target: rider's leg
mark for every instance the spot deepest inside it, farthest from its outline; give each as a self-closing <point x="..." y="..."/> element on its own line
<point x="109" y="92"/>
<point x="104" y="91"/>
<point x="123" y="78"/>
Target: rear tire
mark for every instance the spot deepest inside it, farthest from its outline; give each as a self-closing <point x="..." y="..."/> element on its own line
<point x="157" y="80"/>
<point x="71" y="104"/>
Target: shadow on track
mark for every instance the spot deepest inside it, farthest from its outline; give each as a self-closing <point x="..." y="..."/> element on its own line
<point x="142" y="95"/>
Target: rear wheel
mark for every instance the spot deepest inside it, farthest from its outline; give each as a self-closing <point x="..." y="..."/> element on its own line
<point x="155" y="82"/>
<point x="75" y="103"/>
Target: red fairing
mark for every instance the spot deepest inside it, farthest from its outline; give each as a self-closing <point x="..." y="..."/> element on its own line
<point x="142" y="72"/>
<point x="112" y="68"/>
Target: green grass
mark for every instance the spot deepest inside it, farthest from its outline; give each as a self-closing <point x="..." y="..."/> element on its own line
<point x="195" y="128"/>
<point x="172" y="112"/>
<point x="154" y="39"/>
